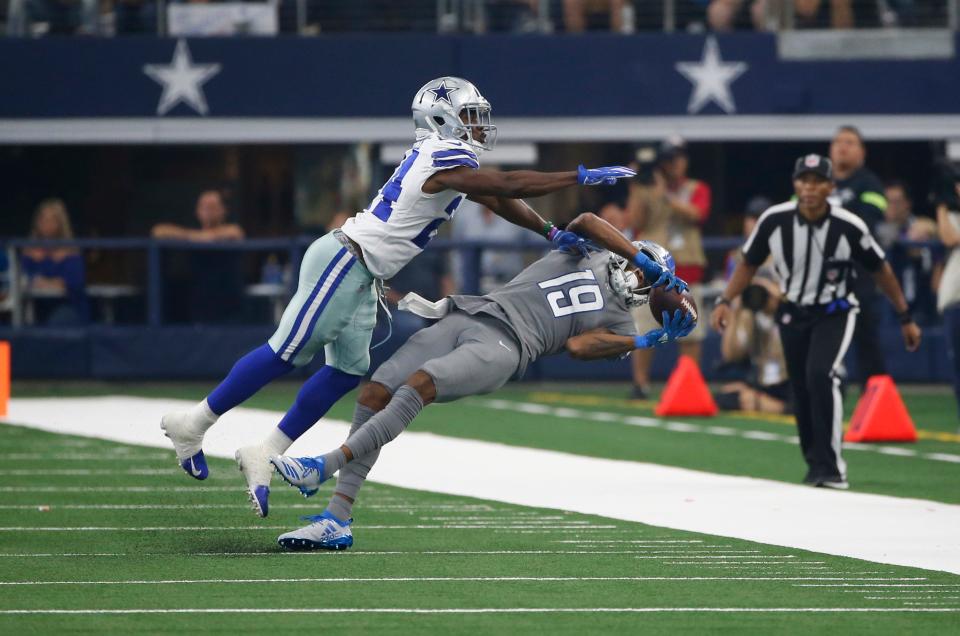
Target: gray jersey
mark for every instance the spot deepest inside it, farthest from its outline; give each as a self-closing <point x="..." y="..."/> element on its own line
<point x="555" y="298"/>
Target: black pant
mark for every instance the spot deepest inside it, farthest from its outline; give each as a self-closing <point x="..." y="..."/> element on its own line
<point x="870" y="360"/>
<point x="814" y="343"/>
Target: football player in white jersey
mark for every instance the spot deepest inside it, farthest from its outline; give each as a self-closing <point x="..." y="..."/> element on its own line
<point x="335" y="305"/>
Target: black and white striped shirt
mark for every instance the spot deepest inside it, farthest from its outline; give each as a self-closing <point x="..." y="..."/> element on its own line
<point x="812" y="260"/>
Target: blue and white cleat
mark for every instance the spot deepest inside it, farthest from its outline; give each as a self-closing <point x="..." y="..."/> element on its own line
<point x="325" y="533"/>
<point x="306" y="473"/>
<point x="187" y="443"/>
<point x="254" y="463"/>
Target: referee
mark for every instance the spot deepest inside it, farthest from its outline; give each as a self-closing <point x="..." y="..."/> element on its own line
<point x="814" y="246"/>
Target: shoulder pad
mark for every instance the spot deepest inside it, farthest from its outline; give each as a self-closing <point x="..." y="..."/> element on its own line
<point x="450" y="153"/>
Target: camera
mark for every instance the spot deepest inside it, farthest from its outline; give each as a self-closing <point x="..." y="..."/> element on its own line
<point x="946" y="176"/>
<point x="647" y="159"/>
<point x="755" y="297"/>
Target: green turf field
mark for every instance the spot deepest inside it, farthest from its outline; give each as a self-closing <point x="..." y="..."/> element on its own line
<point x="145" y="537"/>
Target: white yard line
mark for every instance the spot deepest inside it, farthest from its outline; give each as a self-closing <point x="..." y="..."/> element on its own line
<point x="495" y="610"/>
<point x="414" y="579"/>
<point x="885" y="529"/>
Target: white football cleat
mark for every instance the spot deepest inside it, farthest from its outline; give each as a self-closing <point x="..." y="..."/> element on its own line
<point x="325" y="533"/>
<point x="305" y="473"/>
<point x="254" y="463"/>
<point x="187" y="438"/>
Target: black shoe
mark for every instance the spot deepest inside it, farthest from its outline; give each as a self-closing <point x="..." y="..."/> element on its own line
<point x="639" y="393"/>
<point x="811" y="480"/>
<point x="836" y="483"/>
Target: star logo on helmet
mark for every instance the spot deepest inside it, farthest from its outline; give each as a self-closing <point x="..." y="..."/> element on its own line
<point x="442" y="92"/>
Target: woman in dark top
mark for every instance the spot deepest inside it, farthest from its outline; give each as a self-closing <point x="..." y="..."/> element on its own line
<point x="55" y="275"/>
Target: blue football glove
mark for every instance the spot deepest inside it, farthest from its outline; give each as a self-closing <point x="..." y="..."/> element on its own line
<point x="602" y="176"/>
<point x="673" y="328"/>
<point x="572" y="243"/>
<point x="654" y="271"/>
<point x="669" y="280"/>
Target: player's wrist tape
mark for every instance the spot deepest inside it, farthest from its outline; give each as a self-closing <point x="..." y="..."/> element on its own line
<point x="904" y="317"/>
<point x="640" y="342"/>
<point x="721" y="301"/>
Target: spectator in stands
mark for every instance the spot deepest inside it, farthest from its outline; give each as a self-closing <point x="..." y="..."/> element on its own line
<point x="861" y="192"/>
<point x="614" y="214"/>
<point x="135" y="17"/>
<point x="474" y="222"/>
<point x="594" y="15"/>
<point x="213" y="286"/>
<point x="948" y="294"/>
<point x="211" y="213"/>
<point x="669" y="210"/>
<point x="813" y="14"/>
<point x="55" y="275"/>
<point x="752" y="336"/>
<point x="56" y="17"/>
<point x="727" y="15"/>
<point x="915" y="267"/>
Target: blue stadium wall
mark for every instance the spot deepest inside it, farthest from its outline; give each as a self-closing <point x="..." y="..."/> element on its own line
<point x="295" y="90"/>
<point x="208" y="352"/>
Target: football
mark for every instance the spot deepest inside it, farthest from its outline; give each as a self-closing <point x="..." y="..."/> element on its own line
<point x="670" y="301"/>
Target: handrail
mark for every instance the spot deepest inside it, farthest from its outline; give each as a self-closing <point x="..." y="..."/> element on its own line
<point x="295" y="246"/>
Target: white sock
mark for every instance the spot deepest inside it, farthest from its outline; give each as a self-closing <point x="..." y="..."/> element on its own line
<point x="276" y="442"/>
<point x="201" y="417"/>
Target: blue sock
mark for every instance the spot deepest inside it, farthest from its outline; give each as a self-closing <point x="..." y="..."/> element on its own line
<point x="315" y="398"/>
<point x="250" y="374"/>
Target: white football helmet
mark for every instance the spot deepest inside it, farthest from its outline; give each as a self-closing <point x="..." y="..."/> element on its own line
<point x="625" y="279"/>
<point x="453" y="108"/>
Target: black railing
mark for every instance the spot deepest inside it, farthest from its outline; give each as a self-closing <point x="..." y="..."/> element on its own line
<point x="470" y="268"/>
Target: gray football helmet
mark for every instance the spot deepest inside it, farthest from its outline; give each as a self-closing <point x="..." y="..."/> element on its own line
<point x="625" y="279"/>
<point x="453" y="108"/>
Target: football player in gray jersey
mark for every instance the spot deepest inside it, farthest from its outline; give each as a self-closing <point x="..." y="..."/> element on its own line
<point x="560" y="302"/>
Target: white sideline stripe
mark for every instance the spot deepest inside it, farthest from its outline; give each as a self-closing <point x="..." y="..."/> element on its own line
<point x="885" y="529"/>
<point x="687" y="427"/>
<point x="492" y="610"/>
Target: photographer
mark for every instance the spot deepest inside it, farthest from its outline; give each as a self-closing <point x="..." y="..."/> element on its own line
<point x="947" y="199"/>
<point x="752" y="336"/>
<point x="668" y="207"/>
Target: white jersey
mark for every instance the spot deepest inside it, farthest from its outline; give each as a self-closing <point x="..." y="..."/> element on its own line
<point x="402" y="219"/>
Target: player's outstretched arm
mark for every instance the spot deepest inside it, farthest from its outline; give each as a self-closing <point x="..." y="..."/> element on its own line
<point x="608" y="237"/>
<point x="519" y="213"/>
<point x="518" y="184"/>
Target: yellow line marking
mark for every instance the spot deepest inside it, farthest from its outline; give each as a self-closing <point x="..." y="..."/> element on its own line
<point x="548" y="397"/>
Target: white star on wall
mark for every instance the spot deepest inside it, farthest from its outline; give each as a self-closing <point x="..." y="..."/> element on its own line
<point x="182" y="80"/>
<point x="711" y="78"/>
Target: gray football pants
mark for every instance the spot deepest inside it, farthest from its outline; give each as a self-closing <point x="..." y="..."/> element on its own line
<point x="464" y="354"/>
